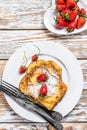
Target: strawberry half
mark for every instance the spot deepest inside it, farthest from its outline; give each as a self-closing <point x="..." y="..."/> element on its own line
<point x="43" y="90"/>
<point x="42" y="78"/>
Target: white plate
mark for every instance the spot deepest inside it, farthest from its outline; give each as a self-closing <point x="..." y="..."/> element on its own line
<point x="72" y="76"/>
<point x="50" y="22"/>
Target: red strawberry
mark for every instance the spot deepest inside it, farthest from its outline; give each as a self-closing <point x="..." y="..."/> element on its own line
<point x="69" y="15"/>
<point x="73" y="15"/>
<point x="60" y="7"/>
<point x="34" y="57"/>
<point x="80" y="22"/>
<point x="66" y="14"/>
<point x="60" y="2"/>
<point x="43" y="90"/>
<point x="42" y="78"/>
<point x="22" y="69"/>
<point x="76" y="8"/>
<point x="83" y="11"/>
<point x="70" y="3"/>
<point x="61" y="23"/>
<point x="71" y="26"/>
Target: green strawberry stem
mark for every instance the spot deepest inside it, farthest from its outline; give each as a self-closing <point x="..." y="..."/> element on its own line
<point x="76" y="1"/>
<point x="38" y="49"/>
<point x="25" y="58"/>
<point x="27" y="101"/>
<point x="84" y="16"/>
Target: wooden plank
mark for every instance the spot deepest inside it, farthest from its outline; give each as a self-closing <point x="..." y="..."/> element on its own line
<point x="41" y="126"/>
<point x="23" y="14"/>
<point x="11" y="40"/>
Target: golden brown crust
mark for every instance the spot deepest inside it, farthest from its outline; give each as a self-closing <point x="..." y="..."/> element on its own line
<point x="33" y="70"/>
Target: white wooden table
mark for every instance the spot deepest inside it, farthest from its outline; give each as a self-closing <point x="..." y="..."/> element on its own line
<point x="21" y="22"/>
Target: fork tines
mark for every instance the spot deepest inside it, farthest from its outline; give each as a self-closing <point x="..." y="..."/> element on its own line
<point x="9" y="88"/>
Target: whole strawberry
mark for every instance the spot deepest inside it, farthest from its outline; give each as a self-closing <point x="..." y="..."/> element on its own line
<point x="22" y="69"/>
<point x="34" y="57"/>
<point x="70" y="3"/>
<point x="80" y="22"/>
<point x="60" y="23"/>
<point x="60" y="2"/>
<point x="60" y="7"/>
<point x="82" y="12"/>
<point x="42" y="78"/>
<point x="71" y="26"/>
<point x="43" y="90"/>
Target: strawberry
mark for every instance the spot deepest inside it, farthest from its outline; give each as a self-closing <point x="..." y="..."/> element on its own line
<point x="22" y="69"/>
<point x="61" y="23"/>
<point x="43" y="90"/>
<point x="60" y="7"/>
<point x="69" y="15"/>
<point x="70" y="3"/>
<point x="83" y="11"/>
<point x="42" y="78"/>
<point x="66" y="14"/>
<point x="80" y="22"/>
<point x="73" y="15"/>
<point x="71" y="26"/>
<point x="60" y="2"/>
<point x="34" y="57"/>
<point x="76" y="8"/>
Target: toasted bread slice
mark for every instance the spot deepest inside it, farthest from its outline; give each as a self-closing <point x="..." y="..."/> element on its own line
<point x="30" y="86"/>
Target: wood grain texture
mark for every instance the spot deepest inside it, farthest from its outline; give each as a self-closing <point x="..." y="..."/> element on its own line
<point x="41" y="126"/>
<point x="11" y="40"/>
<point x="23" y="14"/>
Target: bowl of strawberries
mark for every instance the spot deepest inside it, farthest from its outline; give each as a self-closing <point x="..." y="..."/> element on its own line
<point x="66" y="17"/>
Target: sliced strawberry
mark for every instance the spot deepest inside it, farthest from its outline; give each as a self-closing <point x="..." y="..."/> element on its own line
<point x="34" y="57"/>
<point x="60" y="2"/>
<point x="42" y="78"/>
<point x="71" y="26"/>
<point x="70" y="3"/>
<point x="60" y="8"/>
<point x="80" y="22"/>
<point x="22" y="69"/>
<point x="83" y="11"/>
<point x="43" y="90"/>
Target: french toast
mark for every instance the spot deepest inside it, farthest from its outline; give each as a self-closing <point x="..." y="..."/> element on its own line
<point x="56" y="89"/>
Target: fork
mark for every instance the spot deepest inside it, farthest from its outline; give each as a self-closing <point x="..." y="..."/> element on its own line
<point x="5" y="88"/>
<point x="11" y="88"/>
